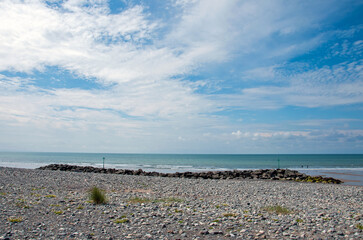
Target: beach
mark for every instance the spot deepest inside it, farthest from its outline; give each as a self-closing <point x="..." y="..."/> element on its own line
<point x="42" y="204"/>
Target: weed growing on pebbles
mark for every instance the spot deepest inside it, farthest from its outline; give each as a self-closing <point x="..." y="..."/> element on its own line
<point x="122" y="220"/>
<point x="97" y="196"/>
<point x="277" y="209"/>
<point x="229" y="215"/>
<point x="50" y="196"/>
<point x="15" y="219"/>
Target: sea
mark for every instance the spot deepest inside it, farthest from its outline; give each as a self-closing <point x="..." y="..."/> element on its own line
<point x="348" y="167"/>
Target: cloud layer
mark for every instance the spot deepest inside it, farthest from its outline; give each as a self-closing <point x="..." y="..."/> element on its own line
<point x="174" y="82"/>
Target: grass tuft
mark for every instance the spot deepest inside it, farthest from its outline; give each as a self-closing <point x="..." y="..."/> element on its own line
<point x="359" y="226"/>
<point x="229" y="215"/>
<point x="277" y="209"/>
<point x="97" y="196"/>
<point x="50" y="196"/>
<point x="169" y="200"/>
<point x="122" y="220"/>
<point x="15" y="220"/>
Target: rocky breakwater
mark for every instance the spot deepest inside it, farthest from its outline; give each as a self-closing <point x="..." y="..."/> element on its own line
<point x="271" y="174"/>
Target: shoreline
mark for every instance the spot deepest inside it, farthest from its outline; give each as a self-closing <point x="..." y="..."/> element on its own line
<point x="55" y="204"/>
<point x="348" y="174"/>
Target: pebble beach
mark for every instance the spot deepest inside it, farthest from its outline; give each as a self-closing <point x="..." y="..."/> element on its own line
<point x="44" y="204"/>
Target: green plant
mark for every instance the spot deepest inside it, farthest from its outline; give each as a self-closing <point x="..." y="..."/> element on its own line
<point x="80" y="207"/>
<point x="122" y="220"/>
<point x="50" y="196"/>
<point x="58" y="212"/>
<point x="178" y="210"/>
<point x="169" y="200"/>
<point x="299" y="220"/>
<point x="22" y="203"/>
<point x="15" y="220"/>
<point x="229" y="214"/>
<point x="277" y="209"/>
<point x="97" y="196"/>
<point x="359" y="226"/>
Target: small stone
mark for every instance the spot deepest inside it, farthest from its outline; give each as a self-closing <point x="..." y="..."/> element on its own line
<point x="205" y="232"/>
<point x="216" y="232"/>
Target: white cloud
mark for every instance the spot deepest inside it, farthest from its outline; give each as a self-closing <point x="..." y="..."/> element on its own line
<point x="340" y="84"/>
<point x="238" y="134"/>
<point x="254" y="135"/>
<point x="261" y="74"/>
<point x="136" y="60"/>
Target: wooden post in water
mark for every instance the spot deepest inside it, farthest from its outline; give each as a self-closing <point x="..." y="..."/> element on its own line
<point x="103" y="162"/>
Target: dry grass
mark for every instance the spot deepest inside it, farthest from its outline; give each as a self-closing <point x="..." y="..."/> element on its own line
<point x="278" y="210"/>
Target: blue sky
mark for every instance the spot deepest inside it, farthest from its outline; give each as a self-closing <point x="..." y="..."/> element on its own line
<point x="181" y="76"/>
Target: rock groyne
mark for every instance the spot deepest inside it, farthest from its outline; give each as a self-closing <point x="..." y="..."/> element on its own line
<point x="271" y="174"/>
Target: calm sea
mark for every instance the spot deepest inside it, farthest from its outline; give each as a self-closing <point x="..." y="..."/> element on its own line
<point x="348" y="166"/>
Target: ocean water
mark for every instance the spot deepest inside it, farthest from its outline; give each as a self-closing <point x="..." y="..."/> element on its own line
<point x="346" y="166"/>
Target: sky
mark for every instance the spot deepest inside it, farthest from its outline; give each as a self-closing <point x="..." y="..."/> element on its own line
<point x="181" y="76"/>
